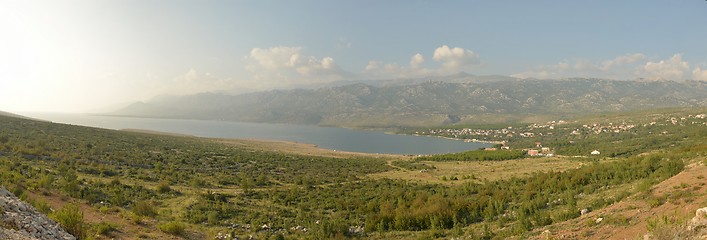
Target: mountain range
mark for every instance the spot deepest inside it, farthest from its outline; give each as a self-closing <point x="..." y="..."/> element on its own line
<point x="456" y="99"/>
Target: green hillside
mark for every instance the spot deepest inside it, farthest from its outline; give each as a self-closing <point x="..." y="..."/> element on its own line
<point x="155" y="186"/>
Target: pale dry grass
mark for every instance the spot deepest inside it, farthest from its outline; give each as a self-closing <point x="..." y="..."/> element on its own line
<point x="479" y="171"/>
<point x="301" y="149"/>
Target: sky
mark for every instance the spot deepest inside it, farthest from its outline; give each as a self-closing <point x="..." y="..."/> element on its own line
<point x="87" y="56"/>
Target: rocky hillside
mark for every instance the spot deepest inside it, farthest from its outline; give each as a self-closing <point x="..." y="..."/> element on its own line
<point x="21" y="221"/>
<point x="671" y="209"/>
<point x="429" y="103"/>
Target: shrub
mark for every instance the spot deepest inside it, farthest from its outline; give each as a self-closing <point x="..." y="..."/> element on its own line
<point x="656" y="201"/>
<point x="115" y="182"/>
<point x="104" y="228"/>
<point x="71" y="219"/>
<point x="163" y="187"/>
<point x="566" y="215"/>
<point x="41" y="206"/>
<point x="144" y="208"/>
<point x="104" y="209"/>
<point x="46" y="181"/>
<point x="134" y="218"/>
<point x="174" y="228"/>
<point x="663" y="227"/>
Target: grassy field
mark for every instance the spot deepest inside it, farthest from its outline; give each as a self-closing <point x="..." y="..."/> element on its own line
<point x="480" y="171"/>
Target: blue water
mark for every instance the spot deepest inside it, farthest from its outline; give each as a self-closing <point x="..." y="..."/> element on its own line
<point x="325" y="137"/>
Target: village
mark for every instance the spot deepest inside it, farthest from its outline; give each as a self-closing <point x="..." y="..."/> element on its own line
<point x="558" y="128"/>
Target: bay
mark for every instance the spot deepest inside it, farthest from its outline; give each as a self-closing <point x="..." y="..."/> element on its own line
<point x="342" y="139"/>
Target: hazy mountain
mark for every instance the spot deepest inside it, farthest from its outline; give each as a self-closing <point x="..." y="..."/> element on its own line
<point x="458" y="99"/>
<point x="8" y="114"/>
<point x="461" y="77"/>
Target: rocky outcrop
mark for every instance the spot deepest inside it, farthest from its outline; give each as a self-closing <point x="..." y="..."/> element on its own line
<point x="698" y="224"/>
<point x="21" y="221"/>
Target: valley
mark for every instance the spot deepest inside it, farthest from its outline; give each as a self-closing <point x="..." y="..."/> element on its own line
<point x="412" y="120"/>
<point x="146" y="185"/>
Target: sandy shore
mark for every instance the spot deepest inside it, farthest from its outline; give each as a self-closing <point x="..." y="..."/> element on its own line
<point x="300" y="148"/>
<point x="278" y="146"/>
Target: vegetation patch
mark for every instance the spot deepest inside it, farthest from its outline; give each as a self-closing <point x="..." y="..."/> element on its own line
<point x="173" y="228"/>
<point x="476" y="155"/>
<point x="71" y="219"/>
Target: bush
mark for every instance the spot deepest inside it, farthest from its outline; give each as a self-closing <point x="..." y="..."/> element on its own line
<point x="144" y="208"/>
<point x="163" y="187"/>
<point x="41" y="206"/>
<point x="134" y="218"/>
<point x="174" y="228"/>
<point x="656" y="201"/>
<point x="71" y="219"/>
<point x="46" y="181"/>
<point x="104" y="228"/>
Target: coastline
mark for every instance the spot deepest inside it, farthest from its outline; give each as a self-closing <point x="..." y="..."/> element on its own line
<point x="449" y="138"/>
<point x="385" y="142"/>
<point x="276" y="145"/>
<point x="300" y="148"/>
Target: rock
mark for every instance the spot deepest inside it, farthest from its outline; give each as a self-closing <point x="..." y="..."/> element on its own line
<point x="12" y="234"/>
<point x="584" y="211"/>
<point x="598" y="220"/>
<point x="356" y="230"/>
<point x="22" y="221"/>
<point x="699" y="221"/>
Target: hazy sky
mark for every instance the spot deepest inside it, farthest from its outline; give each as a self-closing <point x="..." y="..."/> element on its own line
<point x="73" y="56"/>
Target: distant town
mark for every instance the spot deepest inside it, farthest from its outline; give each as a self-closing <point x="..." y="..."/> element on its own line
<point x="501" y="137"/>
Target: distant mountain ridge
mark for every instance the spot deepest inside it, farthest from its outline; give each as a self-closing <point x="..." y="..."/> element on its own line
<point x="429" y="102"/>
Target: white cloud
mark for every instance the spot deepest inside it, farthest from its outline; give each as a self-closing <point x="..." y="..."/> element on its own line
<point x="622" y="61"/>
<point x="450" y="60"/>
<point x="287" y="66"/>
<point x="314" y="66"/>
<point x="625" y="67"/>
<point x="274" y="58"/>
<point x="376" y="69"/>
<point x="416" y="61"/>
<point x="671" y="69"/>
<point x="454" y="59"/>
<point x="699" y="74"/>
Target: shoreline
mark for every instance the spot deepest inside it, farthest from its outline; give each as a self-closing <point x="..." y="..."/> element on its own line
<point x="301" y="148"/>
<point x="276" y="145"/>
<point x="450" y="138"/>
<point x="293" y="147"/>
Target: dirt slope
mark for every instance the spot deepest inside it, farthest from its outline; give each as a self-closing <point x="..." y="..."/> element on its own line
<point x="676" y="199"/>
